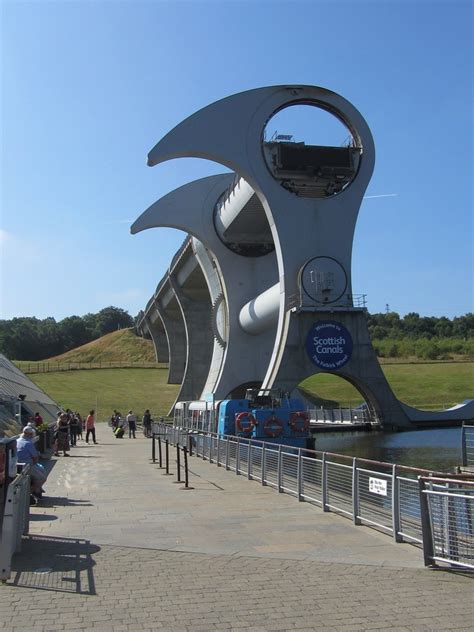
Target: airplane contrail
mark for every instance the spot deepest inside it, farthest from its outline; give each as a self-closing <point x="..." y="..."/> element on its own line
<point x="371" y="197"/>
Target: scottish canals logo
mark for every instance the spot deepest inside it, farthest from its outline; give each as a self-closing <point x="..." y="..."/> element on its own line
<point x="329" y="344"/>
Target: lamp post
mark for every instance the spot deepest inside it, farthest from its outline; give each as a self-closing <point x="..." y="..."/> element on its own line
<point x="18" y="404"/>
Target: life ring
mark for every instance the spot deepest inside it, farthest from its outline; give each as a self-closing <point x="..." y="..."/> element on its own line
<point x="295" y="421"/>
<point x="273" y="427"/>
<point x="250" y="419"/>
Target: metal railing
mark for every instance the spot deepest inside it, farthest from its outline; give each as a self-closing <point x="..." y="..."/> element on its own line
<point x="15" y="522"/>
<point x="447" y="512"/>
<point x="467" y="444"/>
<point x="380" y="495"/>
<point x="53" y="367"/>
<point x="354" y="416"/>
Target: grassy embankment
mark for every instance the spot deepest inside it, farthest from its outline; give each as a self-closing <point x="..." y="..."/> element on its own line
<point x="430" y="386"/>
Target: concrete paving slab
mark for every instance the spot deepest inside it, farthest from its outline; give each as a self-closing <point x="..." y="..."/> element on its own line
<point x="116" y="545"/>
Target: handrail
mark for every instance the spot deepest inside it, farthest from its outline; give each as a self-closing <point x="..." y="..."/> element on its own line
<point x="372" y="493"/>
<point x="15" y="522"/>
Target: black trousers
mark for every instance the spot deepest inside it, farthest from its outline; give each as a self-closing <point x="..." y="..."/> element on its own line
<point x="92" y="432"/>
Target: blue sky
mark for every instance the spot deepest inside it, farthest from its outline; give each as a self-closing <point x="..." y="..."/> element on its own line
<point x="88" y="88"/>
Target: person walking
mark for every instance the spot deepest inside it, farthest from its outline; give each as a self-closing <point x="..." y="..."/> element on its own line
<point x="132" y="424"/>
<point x="90" y="426"/>
<point x="146" y="421"/>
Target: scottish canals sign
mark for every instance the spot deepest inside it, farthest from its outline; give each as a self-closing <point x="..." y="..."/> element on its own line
<point x="329" y="345"/>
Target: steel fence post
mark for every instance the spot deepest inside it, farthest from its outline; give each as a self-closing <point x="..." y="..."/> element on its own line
<point x="299" y="475"/>
<point x="279" y="471"/>
<point x="218" y="451"/>
<point x="264" y="463"/>
<point x="210" y="448"/>
<point x="237" y="457"/>
<point x="249" y="461"/>
<point x="160" y="456"/>
<point x="227" y="453"/>
<point x="463" y="445"/>
<point x="355" y="492"/>
<point x="153" y="452"/>
<point x="428" y="550"/>
<point x="324" y="482"/>
<point x="396" y="505"/>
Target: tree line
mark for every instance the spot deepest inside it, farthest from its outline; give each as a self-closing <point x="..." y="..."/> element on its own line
<point x="427" y="337"/>
<point x="430" y="337"/>
<point x="30" y="338"/>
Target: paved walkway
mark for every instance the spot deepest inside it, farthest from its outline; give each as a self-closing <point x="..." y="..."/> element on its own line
<point x="117" y="545"/>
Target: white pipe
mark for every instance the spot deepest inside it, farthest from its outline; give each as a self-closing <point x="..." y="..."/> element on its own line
<point x="261" y="313"/>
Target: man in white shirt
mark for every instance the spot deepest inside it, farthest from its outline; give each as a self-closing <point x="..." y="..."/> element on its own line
<point x="132" y="424"/>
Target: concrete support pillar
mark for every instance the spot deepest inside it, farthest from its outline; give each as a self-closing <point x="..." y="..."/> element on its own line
<point x="196" y="313"/>
<point x="172" y="320"/>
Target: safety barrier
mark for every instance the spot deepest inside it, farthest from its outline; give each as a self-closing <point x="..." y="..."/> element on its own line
<point x="467" y="445"/>
<point x="354" y="416"/>
<point x="447" y="512"/>
<point x="15" y="522"/>
<point x="164" y="456"/>
<point x="380" y="495"/>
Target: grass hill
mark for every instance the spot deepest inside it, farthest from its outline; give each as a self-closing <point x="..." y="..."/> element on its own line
<point x="119" y="346"/>
<point x="426" y="385"/>
<point x="109" y="389"/>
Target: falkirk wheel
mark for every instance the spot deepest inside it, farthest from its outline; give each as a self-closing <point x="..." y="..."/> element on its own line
<point x="260" y="293"/>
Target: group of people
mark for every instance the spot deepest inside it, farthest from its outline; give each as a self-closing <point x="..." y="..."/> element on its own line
<point x="68" y="430"/>
<point x="120" y="424"/>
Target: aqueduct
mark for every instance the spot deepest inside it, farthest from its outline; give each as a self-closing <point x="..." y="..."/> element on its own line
<point x="260" y="293"/>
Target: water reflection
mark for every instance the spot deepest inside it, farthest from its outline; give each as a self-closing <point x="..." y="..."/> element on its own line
<point x="438" y="449"/>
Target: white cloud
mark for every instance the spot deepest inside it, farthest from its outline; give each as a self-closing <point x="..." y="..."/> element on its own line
<point x="371" y="197"/>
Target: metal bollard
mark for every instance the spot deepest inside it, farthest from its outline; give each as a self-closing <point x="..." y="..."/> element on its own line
<point x="167" y="473"/>
<point x="186" y="471"/>
<point x="190" y="445"/>
<point x="160" y="457"/>
<point x="153" y="452"/>
<point x="178" y="465"/>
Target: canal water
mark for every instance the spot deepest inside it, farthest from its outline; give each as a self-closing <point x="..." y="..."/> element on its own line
<point x="434" y="449"/>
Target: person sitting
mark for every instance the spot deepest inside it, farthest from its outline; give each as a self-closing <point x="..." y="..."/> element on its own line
<point x="27" y="453"/>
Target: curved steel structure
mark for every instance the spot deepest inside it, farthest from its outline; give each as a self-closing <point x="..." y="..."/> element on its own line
<point x="274" y="248"/>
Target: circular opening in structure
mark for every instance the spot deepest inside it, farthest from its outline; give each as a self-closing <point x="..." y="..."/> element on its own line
<point x="331" y="392"/>
<point x="310" y="151"/>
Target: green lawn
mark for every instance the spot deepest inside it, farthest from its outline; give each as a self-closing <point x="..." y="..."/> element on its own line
<point x="427" y="386"/>
<point x="106" y="389"/>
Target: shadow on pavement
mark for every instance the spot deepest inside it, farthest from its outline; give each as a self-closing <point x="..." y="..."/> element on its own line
<point x="55" y="564"/>
<point x="41" y="517"/>
<point x="61" y="501"/>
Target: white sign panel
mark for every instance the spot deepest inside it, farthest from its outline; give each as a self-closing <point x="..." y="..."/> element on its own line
<point x="378" y="486"/>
